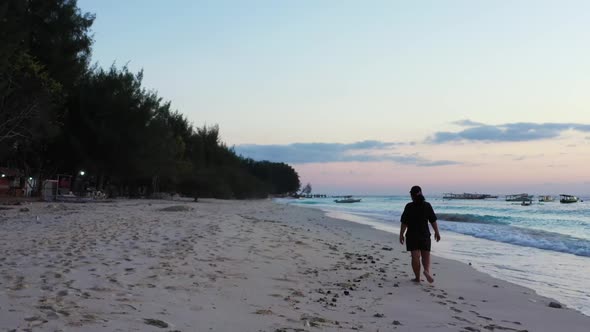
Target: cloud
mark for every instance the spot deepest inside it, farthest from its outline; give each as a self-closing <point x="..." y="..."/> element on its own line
<point x="438" y="163"/>
<point x="468" y="123"/>
<point x="509" y="132"/>
<point x="364" y="151"/>
<point x="523" y="157"/>
<point x="314" y="152"/>
<point x="416" y="160"/>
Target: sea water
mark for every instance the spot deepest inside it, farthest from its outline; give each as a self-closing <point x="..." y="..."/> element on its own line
<point x="544" y="246"/>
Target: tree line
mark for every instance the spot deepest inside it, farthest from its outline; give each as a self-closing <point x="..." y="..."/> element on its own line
<point x="59" y="114"/>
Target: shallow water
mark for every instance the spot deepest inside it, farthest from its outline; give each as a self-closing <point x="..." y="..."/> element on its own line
<point x="545" y="247"/>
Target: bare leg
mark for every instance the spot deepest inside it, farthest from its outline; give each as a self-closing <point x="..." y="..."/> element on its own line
<point x="426" y="263"/>
<point x="416" y="264"/>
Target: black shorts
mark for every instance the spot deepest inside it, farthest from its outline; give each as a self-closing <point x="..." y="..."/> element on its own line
<point x="417" y="244"/>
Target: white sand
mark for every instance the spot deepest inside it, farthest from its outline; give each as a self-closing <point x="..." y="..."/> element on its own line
<point x="237" y="266"/>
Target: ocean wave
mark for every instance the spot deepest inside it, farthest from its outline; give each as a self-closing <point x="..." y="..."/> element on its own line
<point x="308" y="202"/>
<point x="523" y="237"/>
<point x="498" y="229"/>
<point x="474" y="218"/>
<point x="543" y="228"/>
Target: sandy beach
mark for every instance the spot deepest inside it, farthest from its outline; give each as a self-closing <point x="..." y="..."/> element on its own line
<point x="139" y="265"/>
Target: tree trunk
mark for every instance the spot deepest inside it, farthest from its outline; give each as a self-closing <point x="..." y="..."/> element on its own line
<point x="155" y="184"/>
<point x="100" y="182"/>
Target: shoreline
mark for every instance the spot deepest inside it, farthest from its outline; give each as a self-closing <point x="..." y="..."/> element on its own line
<point x="552" y="274"/>
<point x="130" y="265"/>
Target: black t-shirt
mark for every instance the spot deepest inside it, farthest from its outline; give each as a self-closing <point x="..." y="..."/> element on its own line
<point x="416" y="216"/>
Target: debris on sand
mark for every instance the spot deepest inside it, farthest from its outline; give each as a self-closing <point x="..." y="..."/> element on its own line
<point x="155" y="322"/>
<point x="176" y="208"/>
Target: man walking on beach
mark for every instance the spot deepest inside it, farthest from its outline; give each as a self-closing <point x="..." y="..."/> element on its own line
<point x="415" y="220"/>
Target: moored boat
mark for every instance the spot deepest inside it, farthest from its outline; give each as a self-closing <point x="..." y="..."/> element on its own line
<point x="467" y="196"/>
<point x="564" y="198"/>
<point x="519" y="197"/>
<point x="546" y="198"/>
<point x="347" y="199"/>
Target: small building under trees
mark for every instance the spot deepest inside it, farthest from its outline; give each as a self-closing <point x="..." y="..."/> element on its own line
<point x="11" y="182"/>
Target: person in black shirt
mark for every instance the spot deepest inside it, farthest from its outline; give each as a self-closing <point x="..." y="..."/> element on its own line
<point x="415" y="218"/>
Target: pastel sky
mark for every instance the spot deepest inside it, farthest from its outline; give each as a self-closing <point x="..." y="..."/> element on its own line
<point x="371" y="97"/>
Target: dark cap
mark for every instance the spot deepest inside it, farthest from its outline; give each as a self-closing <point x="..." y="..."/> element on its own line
<point x="415" y="190"/>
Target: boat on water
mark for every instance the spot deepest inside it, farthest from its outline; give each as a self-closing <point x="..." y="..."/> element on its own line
<point x="546" y="198"/>
<point x="564" y="198"/>
<point x="526" y="203"/>
<point x="519" y="197"/>
<point x="347" y="199"/>
<point x="467" y="196"/>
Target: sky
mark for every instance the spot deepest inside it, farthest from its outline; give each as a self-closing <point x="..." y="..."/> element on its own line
<point x="372" y="97"/>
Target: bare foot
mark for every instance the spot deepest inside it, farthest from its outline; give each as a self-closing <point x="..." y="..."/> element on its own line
<point x="416" y="280"/>
<point x="428" y="276"/>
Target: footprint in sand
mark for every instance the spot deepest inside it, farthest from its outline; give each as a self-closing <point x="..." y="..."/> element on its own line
<point x="463" y="319"/>
<point x="429" y="278"/>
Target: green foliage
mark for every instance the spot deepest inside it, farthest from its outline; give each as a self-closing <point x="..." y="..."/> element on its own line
<point x="109" y="120"/>
<point x="282" y="177"/>
<point x="44" y="51"/>
<point x="26" y="94"/>
<point x="58" y="115"/>
<point x="58" y="35"/>
<point x="306" y="190"/>
<point x="27" y="113"/>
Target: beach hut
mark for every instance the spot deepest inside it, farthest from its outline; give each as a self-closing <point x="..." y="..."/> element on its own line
<point x="49" y="191"/>
<point x="64" y="184"/>
<point x="10" y="182"/>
